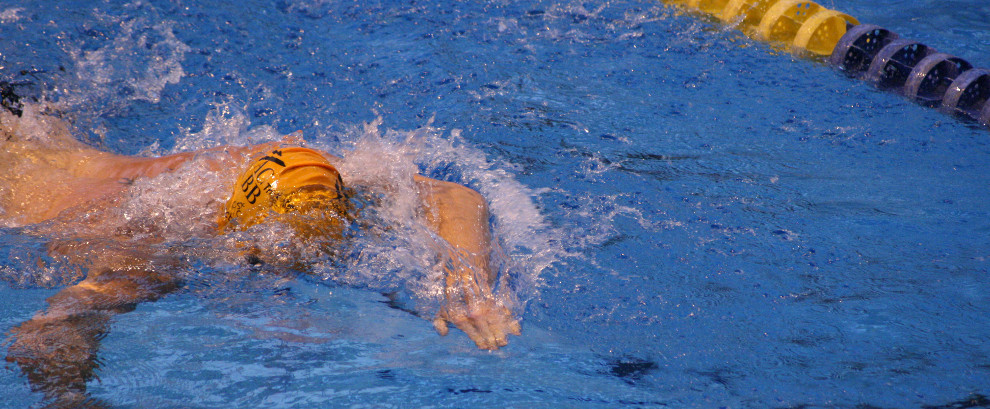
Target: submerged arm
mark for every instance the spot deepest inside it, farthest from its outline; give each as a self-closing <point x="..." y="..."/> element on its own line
<point x="56" y="348"/>
<point x="460" y="216"/>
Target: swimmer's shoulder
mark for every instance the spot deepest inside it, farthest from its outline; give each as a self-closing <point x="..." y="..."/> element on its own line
<point x="217" y="159"/>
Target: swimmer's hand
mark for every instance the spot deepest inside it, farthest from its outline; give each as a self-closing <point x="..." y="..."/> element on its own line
<point x="460" y="216"/>
<point x="57" y="349"/>
<point x="58" y="354"/>
<point x="482" y="319"/>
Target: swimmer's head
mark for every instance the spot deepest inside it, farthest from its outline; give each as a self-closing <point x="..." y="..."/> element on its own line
<point x="285" y="180"/>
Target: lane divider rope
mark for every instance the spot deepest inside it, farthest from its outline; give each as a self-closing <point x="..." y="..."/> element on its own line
<point x="864" y="51"/>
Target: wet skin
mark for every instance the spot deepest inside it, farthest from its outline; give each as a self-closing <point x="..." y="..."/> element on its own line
<point x="57" y="348"/>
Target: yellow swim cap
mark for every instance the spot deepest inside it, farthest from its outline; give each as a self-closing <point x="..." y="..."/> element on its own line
<point x="283" y="180"/>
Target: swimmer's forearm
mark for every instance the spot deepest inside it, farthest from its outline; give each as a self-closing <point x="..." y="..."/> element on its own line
<point x="460" y="216"/>
<point x="92" y="163"/>
<point x="110" y="291"/>
<point x="57" y="348"/>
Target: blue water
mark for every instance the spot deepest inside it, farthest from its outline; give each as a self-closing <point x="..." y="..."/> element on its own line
<point x="691" y="218"/>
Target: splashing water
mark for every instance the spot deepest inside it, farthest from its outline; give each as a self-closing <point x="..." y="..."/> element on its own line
<point x="174" y="215"/>
<point x="386" y="162"/>
<point x="110" y="74"/>
<point x="701" y="233"/>
<point x="310" y="8"/>
<point x="225" y="124"/>
<point x="11" y="15"/>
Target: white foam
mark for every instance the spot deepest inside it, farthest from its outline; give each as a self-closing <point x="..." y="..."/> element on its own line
<point x="387" y="160"/>
<point x="143" y="57"/>
<point x="175" y="213"/>
<point x="393" y="249"/>
<point x="11" y="15"/>
<point x="225" y="124"/>
<point x="311" y="8"/>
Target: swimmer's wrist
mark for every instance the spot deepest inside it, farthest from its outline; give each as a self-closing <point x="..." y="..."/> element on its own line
<point x="78" y="321"/>
<point x="83" y="299"/>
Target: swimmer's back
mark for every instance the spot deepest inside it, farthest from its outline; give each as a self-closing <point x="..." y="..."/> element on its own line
<point x="42" y="177"/>
<point x="46" y="171"/>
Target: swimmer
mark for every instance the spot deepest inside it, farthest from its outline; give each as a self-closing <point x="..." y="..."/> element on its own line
<point x="57" y="348"/>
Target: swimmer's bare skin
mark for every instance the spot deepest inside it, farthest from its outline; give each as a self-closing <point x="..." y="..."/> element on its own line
<point x="460" y="216"/>
<point x="56" y="348"/>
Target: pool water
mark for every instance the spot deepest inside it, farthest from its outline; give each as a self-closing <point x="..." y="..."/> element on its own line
<point x="686" y="217"/>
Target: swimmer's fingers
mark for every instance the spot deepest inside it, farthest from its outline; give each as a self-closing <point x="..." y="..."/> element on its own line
<point x="477" y="333"/>
<point x="487" y="325"/>
<point x="491" y="326"/>
<point x="512" y="324"/>
<point x="458" y="319"/>
<point x="440" y="325"/>
<point x="501" y="324"/>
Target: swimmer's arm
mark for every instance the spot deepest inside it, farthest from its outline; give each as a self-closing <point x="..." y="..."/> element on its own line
<point x="57" y="348"/>
<point x="460" y="216"/>
<point x="107" y="165"/>
<point x="93" y="163"/>
<point x="112" y="290"/>
<point x="88" y="162"/>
